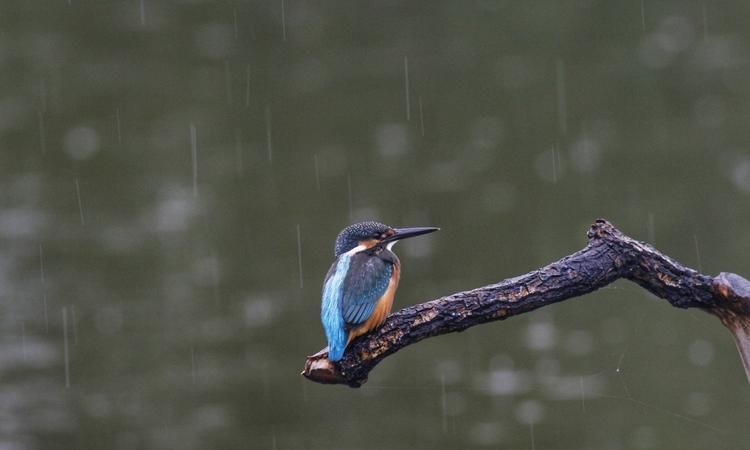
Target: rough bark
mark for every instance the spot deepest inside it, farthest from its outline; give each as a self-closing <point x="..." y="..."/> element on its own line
<point x="609" y="255"/>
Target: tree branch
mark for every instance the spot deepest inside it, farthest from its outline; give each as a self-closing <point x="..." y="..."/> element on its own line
<point x="609" y="255"/>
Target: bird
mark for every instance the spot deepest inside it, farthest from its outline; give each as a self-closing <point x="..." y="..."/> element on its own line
<point x="359" y="288"/>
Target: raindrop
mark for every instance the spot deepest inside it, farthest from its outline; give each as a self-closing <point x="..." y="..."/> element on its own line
<point x="299" y="255"/>
<point x="619" y="363"/>
<point x="406" y="90"/>
<point x="705" y="21"/>
<point x="194" y="156"/>
<point x="549" y="172"/>
<point x="283" y="20"/>
<point x="643" y="15"/>
<point x="65" y="346"/>
<point x="531" y="432"/>
<point x="80" y="203"/>
<point x="269" y="143"/>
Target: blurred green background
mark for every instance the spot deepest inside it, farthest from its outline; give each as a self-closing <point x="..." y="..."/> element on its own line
<point x="174" y="174"/>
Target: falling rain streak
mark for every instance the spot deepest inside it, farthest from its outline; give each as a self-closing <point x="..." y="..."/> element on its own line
<point x="299" y="256"/>
<point x="194" y="157"/>
<point x="283" y="20"/>
<point x="406" y="87"/>
<point x="269" y="142"/>
<point x="80" y="203"/>
<point x="65" y="346"/>
<point x="643" y="15"/>
<point x="143" y="12"/>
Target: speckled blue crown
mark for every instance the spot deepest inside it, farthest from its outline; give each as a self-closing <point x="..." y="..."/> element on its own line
<point x="351" y="235"/>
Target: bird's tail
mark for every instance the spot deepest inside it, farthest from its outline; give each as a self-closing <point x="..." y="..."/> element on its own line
<point x="336" y="340"/>
<point x="333" y="323"/>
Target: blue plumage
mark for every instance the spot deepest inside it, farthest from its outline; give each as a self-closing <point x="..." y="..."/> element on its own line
<point x="352" y="288"/>
<point x="330" y="313"/>
<point x="366" y="281"/>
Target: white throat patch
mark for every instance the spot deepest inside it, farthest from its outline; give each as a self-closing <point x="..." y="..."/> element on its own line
<point x="356" y="249"/>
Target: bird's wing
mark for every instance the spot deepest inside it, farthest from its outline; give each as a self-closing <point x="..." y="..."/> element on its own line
<point x="366" y="281"/>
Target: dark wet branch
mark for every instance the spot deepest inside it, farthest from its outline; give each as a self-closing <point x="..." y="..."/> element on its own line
<point x="609" y="255"/>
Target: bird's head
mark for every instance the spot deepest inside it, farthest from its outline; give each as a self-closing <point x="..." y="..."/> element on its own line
<point x="369" y="234"/>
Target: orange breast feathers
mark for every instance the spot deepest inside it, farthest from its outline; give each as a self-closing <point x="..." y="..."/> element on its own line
<point x="382" y="307"/>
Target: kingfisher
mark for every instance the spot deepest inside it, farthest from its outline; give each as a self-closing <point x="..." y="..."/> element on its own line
<point x="359" y="288"/>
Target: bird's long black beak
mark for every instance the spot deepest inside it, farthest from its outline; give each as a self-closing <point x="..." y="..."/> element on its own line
<point x="403" y="233"/>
